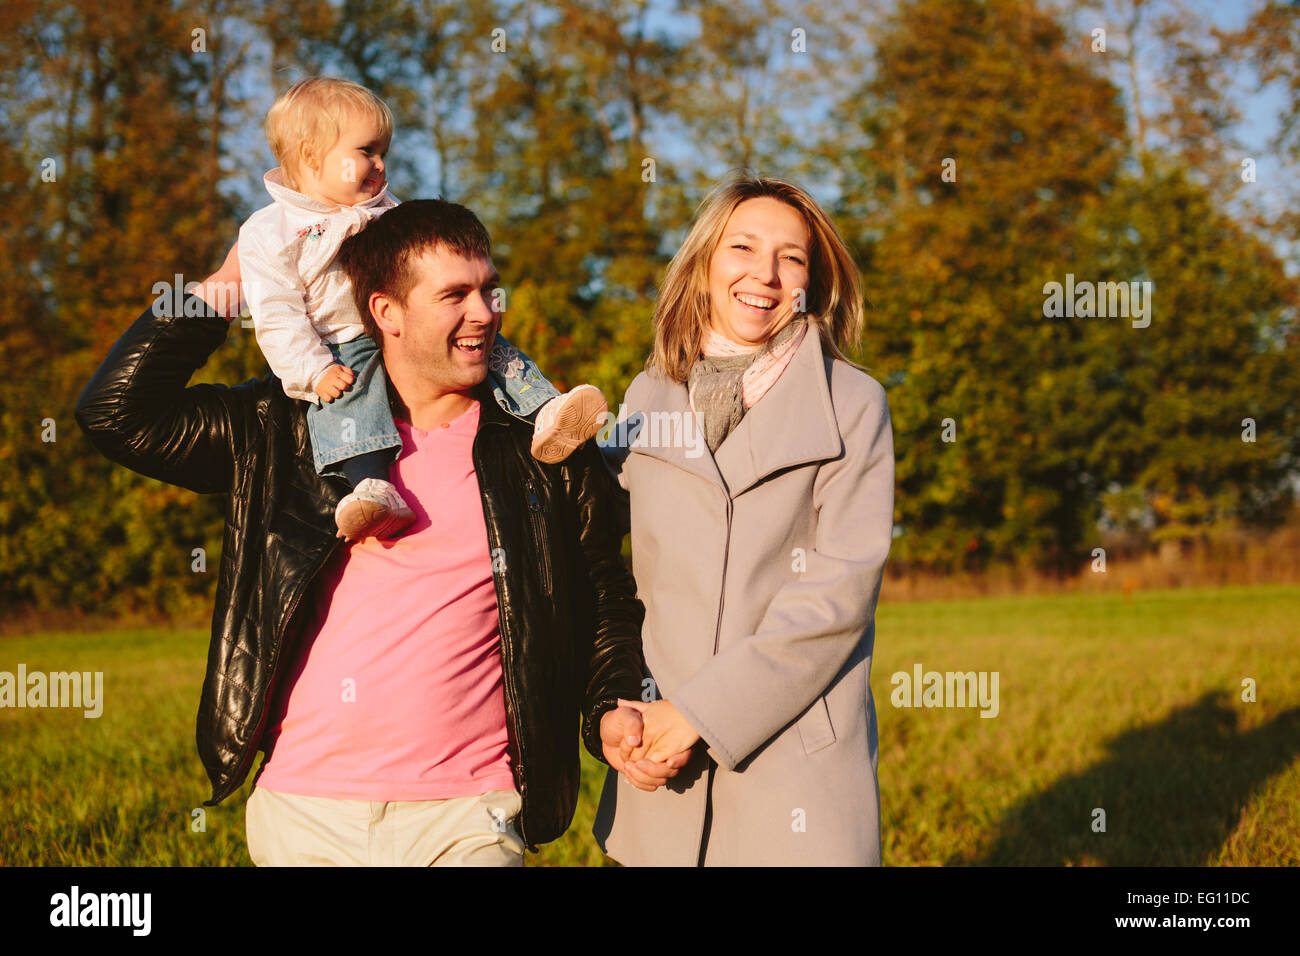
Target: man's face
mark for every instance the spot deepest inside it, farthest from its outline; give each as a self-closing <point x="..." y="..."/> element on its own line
<point x="444" y="332"/>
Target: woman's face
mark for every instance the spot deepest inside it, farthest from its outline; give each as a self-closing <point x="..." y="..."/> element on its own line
<point x="760" y="263"/>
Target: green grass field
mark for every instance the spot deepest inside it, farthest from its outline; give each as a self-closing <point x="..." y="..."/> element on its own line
<point x="1135" y="709"/>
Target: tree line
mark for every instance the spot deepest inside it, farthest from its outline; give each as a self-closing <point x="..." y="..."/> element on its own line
<point x="972" y="153"/>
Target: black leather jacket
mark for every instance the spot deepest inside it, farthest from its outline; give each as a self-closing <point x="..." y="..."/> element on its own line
<point x="570" y="619"/>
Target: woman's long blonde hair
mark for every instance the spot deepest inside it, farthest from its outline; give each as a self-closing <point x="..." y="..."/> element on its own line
<point x="833" y="299"/>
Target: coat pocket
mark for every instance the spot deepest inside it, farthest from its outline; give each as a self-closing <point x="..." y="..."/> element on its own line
<point x="815" y="728"/>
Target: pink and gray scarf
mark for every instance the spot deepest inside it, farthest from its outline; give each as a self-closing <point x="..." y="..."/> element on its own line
<point x="728" y="379"/>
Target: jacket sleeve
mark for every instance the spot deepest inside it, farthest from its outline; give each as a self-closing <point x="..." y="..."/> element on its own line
<point x="277" y="301"/>
<point x="615" y="666"/>
<point x="815" y="621"/>
<point x="138" y="413"/>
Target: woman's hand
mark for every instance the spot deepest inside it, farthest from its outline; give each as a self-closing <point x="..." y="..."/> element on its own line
<point x="665" y="731"/>
<point x="221" y="290"/>
<point x="620" y="734"/>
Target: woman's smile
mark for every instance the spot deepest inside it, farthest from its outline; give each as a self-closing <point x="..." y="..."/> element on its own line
<point x="759" y="264"/>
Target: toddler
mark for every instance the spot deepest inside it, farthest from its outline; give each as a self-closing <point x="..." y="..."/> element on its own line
<point x="330" y="137"/>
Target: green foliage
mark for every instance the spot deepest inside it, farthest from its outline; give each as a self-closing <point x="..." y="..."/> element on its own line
<point x="1052" y="413"/>
<point x="1063" y="426"/>
<point x="1219" y="351"/>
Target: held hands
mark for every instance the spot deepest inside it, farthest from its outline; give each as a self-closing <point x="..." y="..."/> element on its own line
<point x="665" y="731"/>
<point x="621" y="735"/>
<point x="334" y="382"/>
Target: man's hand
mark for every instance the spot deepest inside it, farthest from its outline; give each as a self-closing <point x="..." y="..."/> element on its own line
<point x="221" y="290"/>
<point x="620" y="733"/>
<point x="664" y="731"/>
<point x="334" y="382"/>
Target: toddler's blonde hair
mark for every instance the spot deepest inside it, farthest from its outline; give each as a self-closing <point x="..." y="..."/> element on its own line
<point x="312" y="113"/>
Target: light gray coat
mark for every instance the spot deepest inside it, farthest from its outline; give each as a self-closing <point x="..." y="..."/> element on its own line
<point x="759" y="567"/>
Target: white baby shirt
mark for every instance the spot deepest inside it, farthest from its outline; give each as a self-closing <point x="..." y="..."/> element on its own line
<point x="298" y="297"/>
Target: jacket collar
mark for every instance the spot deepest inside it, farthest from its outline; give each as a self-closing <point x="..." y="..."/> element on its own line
<point x="793" y="424"/>
<point x="300" y="202"/>
<point x="490" y="412"/>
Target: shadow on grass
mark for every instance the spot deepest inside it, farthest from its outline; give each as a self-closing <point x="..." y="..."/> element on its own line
<point x="1172" y="792"/>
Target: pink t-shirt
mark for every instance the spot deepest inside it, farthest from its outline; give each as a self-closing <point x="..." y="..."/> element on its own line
<point x="399" y="695"/>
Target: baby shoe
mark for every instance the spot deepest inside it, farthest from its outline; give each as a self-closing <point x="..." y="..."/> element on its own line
<point x="568" y="420"/>
<point x="373" y="508"/>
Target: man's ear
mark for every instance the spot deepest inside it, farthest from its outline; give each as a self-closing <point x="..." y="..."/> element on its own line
<point x="387" y="313"/>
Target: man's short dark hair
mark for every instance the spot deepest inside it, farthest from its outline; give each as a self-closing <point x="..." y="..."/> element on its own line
<point x="379" y="257"/>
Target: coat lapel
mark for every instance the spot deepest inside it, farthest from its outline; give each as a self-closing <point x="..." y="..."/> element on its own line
<point x="668" y="431"/>
<point x="793" y="424"/>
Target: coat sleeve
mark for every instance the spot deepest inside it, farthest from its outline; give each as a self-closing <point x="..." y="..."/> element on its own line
<point x="615" y="666"/>
<point x="277" y="301"/>
<point x="138" y="412"/>
<point x="816" y="620"/>
<point x="617" y="445"/>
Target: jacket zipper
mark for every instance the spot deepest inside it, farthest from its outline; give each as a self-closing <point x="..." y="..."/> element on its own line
<point x="251" y="748"/>
<point x="507" y="660"/>
<point x="539" y="538"/>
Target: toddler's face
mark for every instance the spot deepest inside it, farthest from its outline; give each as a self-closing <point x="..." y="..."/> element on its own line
<point x="353" y="170"/>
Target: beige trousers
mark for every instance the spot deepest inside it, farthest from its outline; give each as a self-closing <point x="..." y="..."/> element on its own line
<point x="285" y="829"/>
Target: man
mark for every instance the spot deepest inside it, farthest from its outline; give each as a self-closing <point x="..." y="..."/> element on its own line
<point x="415" y="697"/>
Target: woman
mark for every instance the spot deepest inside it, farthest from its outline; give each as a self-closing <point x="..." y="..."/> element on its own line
<point x="759" y="560"/>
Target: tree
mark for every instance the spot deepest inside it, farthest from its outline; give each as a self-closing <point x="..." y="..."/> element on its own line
<point x="1203" y="404"/>
<point x="988" y="136"/>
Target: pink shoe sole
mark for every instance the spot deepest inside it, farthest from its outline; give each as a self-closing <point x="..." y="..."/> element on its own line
<point x="580" y="418"/>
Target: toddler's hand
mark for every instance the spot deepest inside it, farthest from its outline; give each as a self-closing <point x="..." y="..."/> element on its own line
<point x="334" y="382"/>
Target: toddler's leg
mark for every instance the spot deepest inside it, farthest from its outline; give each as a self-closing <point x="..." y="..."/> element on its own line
<point x="354" y="437"/>
<point x="518" y="384"/>
<point x="562" y="422"/>
<point x="373" y="464"/>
